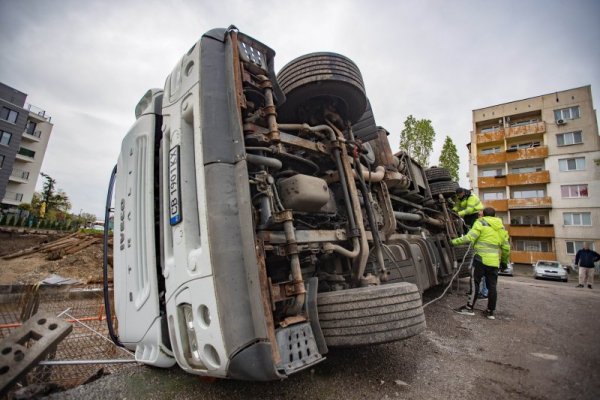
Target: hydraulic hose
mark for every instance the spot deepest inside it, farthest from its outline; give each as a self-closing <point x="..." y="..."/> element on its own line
<point x="107" y="309"/>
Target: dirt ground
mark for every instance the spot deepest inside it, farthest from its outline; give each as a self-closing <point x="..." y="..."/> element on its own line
<point x="543" y="345"/>
<point x="84" y="266"/>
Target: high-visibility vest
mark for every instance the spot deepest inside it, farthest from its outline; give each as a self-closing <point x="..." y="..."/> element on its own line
<point x="468" y="206"/>
<point x="490" y="241"/>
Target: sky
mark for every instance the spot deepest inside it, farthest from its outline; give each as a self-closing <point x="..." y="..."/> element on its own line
<point x="88" y="63"/>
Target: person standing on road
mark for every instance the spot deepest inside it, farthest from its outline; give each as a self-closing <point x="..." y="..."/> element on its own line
<point x="467" y="206"/>
<point x="585" y="259"/>
<point x="492" y="251"/>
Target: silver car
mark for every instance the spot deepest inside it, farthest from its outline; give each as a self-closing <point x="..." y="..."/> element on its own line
<point x="550" y="270"/>
<point x="509" y="271"/>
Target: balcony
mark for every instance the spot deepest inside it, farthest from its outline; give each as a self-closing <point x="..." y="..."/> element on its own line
<point x="19" y="175"/>
<point x="37" y="113"/>
<point x="526" y="130"/>
<point x="489" y="137"/>
<point x="530" y="257"/>
<point x="531" y="153"/>
<point x="486" y="159"/>
<point x="498" y="205"/>
<point x="528" y="178"/>
<point x="13" y="198"/>
<point x="531" y="231"/>
<point x="491" y="181"/>
<point x="534" y="202"/>
<point x="25" y="155"/>
<point x="33" y="136"/>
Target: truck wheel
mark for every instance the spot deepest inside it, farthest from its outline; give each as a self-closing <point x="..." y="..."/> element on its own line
<point x="446" y="189"/>
<point x="437" y="174"/>
<point x="365" y="128"/>
<point x="321" y="76"/>
<point x="371" y="315"/>
<point x="460" y="252"/>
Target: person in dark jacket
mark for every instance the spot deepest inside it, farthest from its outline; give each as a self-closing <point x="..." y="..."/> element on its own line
<point x="585" y="259"/>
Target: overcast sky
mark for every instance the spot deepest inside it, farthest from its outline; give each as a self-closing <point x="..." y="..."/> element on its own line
<point x="87" y="63"/>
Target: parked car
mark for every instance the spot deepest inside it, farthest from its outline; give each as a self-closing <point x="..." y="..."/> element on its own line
<point x="550" y="270"/>
<point x="508" y="271"/>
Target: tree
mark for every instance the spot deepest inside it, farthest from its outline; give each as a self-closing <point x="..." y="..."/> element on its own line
<point x="56" y="200"/>
<point x="87" y="219"/>
<point x="417" y="139"/>
<point x="449" y="158"/>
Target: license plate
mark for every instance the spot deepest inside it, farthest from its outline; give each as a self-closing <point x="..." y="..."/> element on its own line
<point x="174" y="187"/>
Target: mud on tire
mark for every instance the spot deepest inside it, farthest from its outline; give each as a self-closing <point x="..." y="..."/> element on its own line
<point x="371" y="315"/>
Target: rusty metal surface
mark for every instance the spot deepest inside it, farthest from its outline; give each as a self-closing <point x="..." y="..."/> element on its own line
<point x="536" y="202"/>
<point x="528" y="178"/>
<point x="302" y="236"/>
<point x="267" y="301"/>
<point x="303" y="144"/>
<point x="530" y="231"/>
<point x="29" y="344"/>
<point x="524" y="130"/>
<point x="531" y="153"/>
<point x="490" y="137"/>
<point x="491" y="181"/>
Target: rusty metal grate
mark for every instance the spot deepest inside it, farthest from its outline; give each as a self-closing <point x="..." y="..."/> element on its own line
<point x="83" y="306"/>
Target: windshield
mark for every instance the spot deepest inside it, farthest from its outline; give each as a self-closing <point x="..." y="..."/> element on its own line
<point x="550" y="264"/>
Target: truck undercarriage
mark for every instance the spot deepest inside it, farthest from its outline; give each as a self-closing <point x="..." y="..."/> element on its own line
<point x="262" y="218"/>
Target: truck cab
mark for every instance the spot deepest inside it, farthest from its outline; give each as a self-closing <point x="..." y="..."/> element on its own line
<point x="262" y="218"/>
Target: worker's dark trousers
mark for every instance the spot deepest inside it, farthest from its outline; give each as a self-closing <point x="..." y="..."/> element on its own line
<point x="479" y="270"/>
<point x="470" y="219"/>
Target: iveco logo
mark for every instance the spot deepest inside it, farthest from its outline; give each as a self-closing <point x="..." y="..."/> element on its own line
<point x="122" y="226"/>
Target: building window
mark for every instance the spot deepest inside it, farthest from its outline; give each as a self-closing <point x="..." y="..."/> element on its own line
<point x="490" y="150"/>
<point x="9" y="115"/>
<point x="572" y="164"/>
<point x="574" y="191"/>
<point x="528" y="194"/>
<point x="577" y="219"/>
<point x="528" y="220"/>
<point x="573" y="246"/>
<point x="532" y="245"/>
<point x="569" y="138"/>
<point x="2" y="160"/>
<point x="31" y="127"/>
<point x="525" y="145"/>
<point x="566" y="113"/>
<point x="525" y="170"/>
<point x="5" y="138"/>
<point x="492" y="172"/>
<point x="489" y="129"/>
<point x="493" y="196"/>
<point x="525" y="122"/>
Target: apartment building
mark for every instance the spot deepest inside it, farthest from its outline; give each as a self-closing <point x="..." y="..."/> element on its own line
<point x="537" y="162"/>
<point x="24" y="134"/>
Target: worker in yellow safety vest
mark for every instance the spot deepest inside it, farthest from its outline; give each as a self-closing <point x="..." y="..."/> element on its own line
<point x="467" y="206"/>
<point x="492" y="250"/>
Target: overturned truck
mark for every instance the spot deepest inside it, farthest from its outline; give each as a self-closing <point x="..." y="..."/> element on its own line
<point x="261" y="219"/>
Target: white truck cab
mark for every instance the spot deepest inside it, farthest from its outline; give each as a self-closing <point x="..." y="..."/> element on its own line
<point x="260" y="219"/>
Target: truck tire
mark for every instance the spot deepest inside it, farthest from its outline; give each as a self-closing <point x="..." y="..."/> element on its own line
<point x="371" y="315"/>
<point x="437" y="174"/>
<point x="365" y="128"/>
<point x="444" y="188"/>
<point x="322" y="75"/>
<point x="467" y="253"/>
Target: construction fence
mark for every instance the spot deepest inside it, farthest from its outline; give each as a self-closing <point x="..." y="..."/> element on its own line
<point x="87" y="353"/>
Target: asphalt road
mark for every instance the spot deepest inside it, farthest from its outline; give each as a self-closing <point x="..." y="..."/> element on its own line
<point x="544" y="344"/>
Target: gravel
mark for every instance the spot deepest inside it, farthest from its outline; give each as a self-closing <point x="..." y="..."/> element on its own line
<point x="543" y="345"/>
